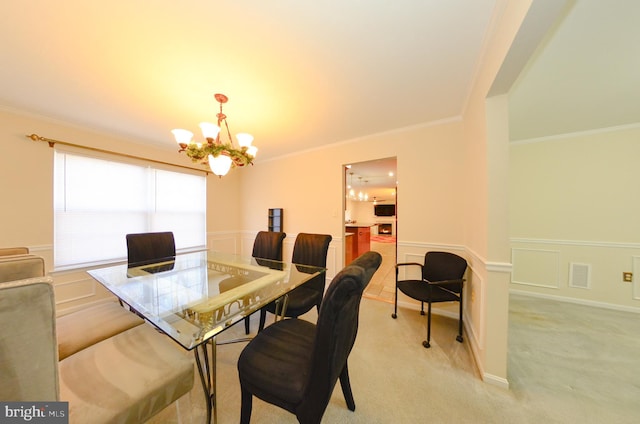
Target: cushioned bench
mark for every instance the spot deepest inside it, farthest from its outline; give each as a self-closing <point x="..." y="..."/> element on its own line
<point x="126" y="378"/>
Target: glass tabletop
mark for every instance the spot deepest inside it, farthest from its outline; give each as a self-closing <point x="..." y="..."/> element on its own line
<point x="195" y="296"/>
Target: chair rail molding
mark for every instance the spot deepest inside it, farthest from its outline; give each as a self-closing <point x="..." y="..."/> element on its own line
<point x="607" y="244"/>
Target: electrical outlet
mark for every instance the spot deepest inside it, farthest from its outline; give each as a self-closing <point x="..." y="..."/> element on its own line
<point x="627" y="277"/>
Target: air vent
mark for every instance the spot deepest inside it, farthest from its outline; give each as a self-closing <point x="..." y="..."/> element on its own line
<point x="580" y="276"/>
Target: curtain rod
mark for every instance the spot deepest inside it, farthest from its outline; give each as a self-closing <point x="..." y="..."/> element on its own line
<point x="53" y="142"/>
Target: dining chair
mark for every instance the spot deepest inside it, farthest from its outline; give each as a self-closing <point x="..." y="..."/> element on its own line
<point x="29" y="359"/>
<point x="17" y="267"/>
<point x="11" y="251"/>
<point x="295" y="364"/>
<point x="267" y="245"/>
<point x="147" y="248"/>
<point x="308" y="249"/>
<point x="442" y="281"/>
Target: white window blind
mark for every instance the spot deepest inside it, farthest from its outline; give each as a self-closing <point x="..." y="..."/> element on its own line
<point x="98" y="201"/>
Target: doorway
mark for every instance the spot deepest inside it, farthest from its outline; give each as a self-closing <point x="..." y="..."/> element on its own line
<point x="371" y="220"/>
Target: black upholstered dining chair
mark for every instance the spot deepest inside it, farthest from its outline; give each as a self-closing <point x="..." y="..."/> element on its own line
<point x="442" y="281"/>
<point x="147" y="248"/>
<point x="295" y="364"/>
<point x="267" y="245"/>
<point x="308" y="249"/>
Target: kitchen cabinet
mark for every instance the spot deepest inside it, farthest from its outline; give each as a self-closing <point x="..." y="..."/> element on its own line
<point x="348" y="248"/>
<point x="361" y="238"/>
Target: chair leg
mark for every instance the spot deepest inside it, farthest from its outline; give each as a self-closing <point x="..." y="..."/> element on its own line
<point x="394" y="315"/>
<point x="459" y="337"/>
<point x="245" y="408"/>
<point x="346" y="388"/>
<point x="427" y="343"/>
<point x="247" y="324"/>
<point x="263" y="318"/>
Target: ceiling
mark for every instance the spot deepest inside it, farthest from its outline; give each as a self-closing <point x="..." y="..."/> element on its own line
<point x="300" y="75"/>
<point x="375" y="178"/>
<point x="584" y="76"/>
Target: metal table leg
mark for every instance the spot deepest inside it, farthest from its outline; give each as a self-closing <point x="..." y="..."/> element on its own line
<point x="207" y="366"/>
<point x="207" y="371"/>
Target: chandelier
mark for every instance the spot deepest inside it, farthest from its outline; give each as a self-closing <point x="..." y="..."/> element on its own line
<point x="221" y="156"/>
<point x="362" y="197"/>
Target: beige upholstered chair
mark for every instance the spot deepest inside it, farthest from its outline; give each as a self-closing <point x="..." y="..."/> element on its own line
<point x="19" y="267"/>
<point x="127" y="378"/>
<point x="29" y="360"/>
<point x="81" y="328"/>
<point x="8" y="251"/>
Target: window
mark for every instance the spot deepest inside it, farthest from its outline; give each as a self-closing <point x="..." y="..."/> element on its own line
<point x="97" y="201"/>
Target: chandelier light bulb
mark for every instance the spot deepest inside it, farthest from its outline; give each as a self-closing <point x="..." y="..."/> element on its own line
<point x="183" y="137"/>
<point x="209" y="131"/>
<point x="244" y="139"/>
<point x="220" y="165"/>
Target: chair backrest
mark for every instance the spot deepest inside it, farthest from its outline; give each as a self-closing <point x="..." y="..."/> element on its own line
<point x="336" y="331"/>
<point x="440" y="266"/>
<point x="311" y="249"/>
<point x="8" y="251"/>
<point x="29" y="359"/>
<point x="268" y="245"/>
<point x="19" y="267"/>
<point x="147" y="248"/>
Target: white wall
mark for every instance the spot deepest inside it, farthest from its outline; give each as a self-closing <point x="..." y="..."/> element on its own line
<point x="573" y="200"/>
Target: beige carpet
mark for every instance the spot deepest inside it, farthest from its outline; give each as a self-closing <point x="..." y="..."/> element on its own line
<point x="567" y="364"/>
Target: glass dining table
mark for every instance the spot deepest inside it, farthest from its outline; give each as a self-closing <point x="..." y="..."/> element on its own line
<point x="194" y="297"/>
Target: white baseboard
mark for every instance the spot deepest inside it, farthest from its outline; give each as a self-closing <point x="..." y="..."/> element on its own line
<point x="585" y="302"/>
<point x="495" y="381"/>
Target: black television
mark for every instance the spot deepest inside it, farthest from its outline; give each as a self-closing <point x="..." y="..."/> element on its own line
<point x="384" y="210"/>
